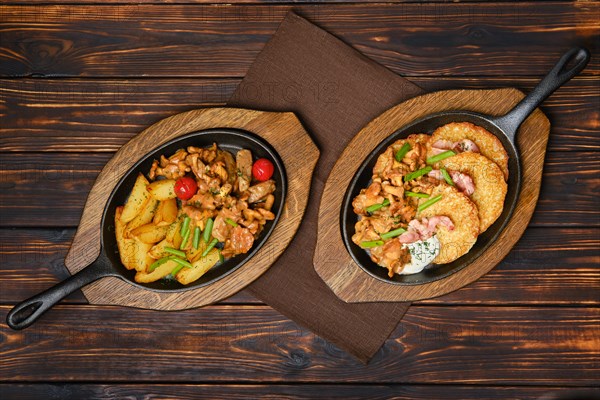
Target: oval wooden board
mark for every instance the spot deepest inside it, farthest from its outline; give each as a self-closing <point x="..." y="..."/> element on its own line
<point x="282" y="130"/>
<point x="333" y="262"/>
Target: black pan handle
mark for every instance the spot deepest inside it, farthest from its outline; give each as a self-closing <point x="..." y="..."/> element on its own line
<point x="510" y="122"/>
<point x="28" y="311"/>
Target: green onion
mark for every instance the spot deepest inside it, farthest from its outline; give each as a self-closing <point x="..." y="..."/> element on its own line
<point x="176" y="270"/>
<point x="402" y="152"/>
<point x="196" y="241"/>
<point x="415" y="194"/>
<point x="207" y="230"/>
<point x="184" y="239"/>
<point x="447" y="177"/>
<point x="418" y="173"/>
<point x="210" y="246"/>
<point x="183" y="263"/>
<point x="429" y="203"/>
<point x="372" y="243"/>
<point x="221" y="258"/>
<point x="175" y="251"/>
<point x="185" y="225"/>
<point x="392" y="234"/>
<point x="159" y="262"/>
<point x="231" y="222"/>
<point x="376" y="207"/>
<point x="440" y="157"/>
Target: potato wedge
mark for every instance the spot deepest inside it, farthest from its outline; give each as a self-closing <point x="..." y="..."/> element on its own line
<point x="166" y="211"/>
<point x="150" y="233"/>
<point x="160" y="272"/>
<point x="158" y="250"/>
<point x="144" y="217"/>
<point x="194" y="254"/>
<point x="199" y="268"/>
<point x="137" y="199"/>
<point x="124" y="245"/>
<point x="163" y="189"/>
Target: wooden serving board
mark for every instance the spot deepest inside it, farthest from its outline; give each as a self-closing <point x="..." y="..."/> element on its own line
<point x="333" y="262"/>
<point x="282" y="130"/>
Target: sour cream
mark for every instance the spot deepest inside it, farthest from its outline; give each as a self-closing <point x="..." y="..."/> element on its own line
<point x="422" y="254"/>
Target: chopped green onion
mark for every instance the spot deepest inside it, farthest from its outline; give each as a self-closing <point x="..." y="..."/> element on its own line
<point x="196" y="241"/>
<point x="376" y="207"/>
<point x="447" y="177"/>
<point x="415" y="194"/>
<point x="429" y="203"/>
<point x="418" y="173"/>
<point x="176" y="270"/>
<point x="231" y="222"/>
<point x="221" y="258"/>
<point x="370" y="244"/>
<point x="207" y="230"/>
<point x="440" y="157"/>
<point x="392" y="234"/>
<point x="402" y="152"/>
<point x="183" y="263"/>
<point x="159" y="262"/>
<point x="175" y="251"/>
<point x="210" y="246"/>
<point x="185" y="225"/>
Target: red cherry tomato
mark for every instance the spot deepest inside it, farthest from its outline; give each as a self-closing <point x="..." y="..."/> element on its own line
<point x="262" y="169"/>
<point x="185" y="188"/>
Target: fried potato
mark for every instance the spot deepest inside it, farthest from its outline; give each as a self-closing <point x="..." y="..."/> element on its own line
<point x="166" y="211"/>
<point x="463" y="213"/>
<point x="489" y="145"/>
<point x="144" y="217"/>
<point x="137" y="199"/>
<point x="158" y="250"/>
<point x="150" y="233"/>
<point x="160" y="272"/>
<point x="194" y="254"/>
<point x="163" y="189"/>
<point x="490" y="187"/>
<point x="199" y="268"/>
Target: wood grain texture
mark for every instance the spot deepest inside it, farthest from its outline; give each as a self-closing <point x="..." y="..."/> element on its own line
<point x="341" y="273"/>
<point x="282" y="130"/>
<point x="100" y="115"/>
<point x="428" y="39"/>
<point x="569" y="194"/>
<point x="74" y="391"/>
<point x="493" y="345"/>
<point x="546" y="267"/>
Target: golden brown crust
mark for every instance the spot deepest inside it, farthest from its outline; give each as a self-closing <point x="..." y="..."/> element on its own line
<point x="490" y="187"/>
<point x="463" y="213"/>
<point x="489" y="145"/>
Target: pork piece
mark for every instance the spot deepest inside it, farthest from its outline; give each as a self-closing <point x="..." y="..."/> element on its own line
<point x="221" y="229"/>
<point x="463" y="182"/>
<point x="202" y="200"/>
<point x="261" y="190"/>
<point x="240" y="242"/>
<point x="243" y="161"/>
<point x="424" y="229"/>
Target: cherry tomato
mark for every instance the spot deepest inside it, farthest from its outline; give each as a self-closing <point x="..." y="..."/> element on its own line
<point x="262" y="169"/>
<point x="185" y="188"/>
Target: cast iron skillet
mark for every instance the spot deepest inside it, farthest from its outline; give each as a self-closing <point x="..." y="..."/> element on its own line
<point x="504" y="127"/>
<point x="108" y="262"/>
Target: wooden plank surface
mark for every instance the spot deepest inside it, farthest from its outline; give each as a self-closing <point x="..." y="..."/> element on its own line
<point x="101" y="115"/>
<point x="428" y="39"/>
<point x="552" y="267"/>
<point x="495" y="346"/>
<point x="73" y="391"/>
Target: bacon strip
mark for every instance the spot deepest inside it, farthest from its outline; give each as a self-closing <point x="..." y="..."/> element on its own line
<point x="461" y="146"/>
<point x="424" y="229"/>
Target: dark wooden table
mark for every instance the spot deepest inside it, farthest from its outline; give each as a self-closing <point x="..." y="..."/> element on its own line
<point x="77" y="81"/>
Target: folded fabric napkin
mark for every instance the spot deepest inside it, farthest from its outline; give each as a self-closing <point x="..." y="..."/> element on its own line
<point x="335" y="91"/>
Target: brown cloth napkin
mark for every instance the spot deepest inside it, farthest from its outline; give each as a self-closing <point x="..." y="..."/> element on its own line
<point x="335" y="91"/>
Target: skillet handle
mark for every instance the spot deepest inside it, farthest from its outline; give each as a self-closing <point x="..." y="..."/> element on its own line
<point x="510" y="122"/>
<point x="28" y="311"/>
